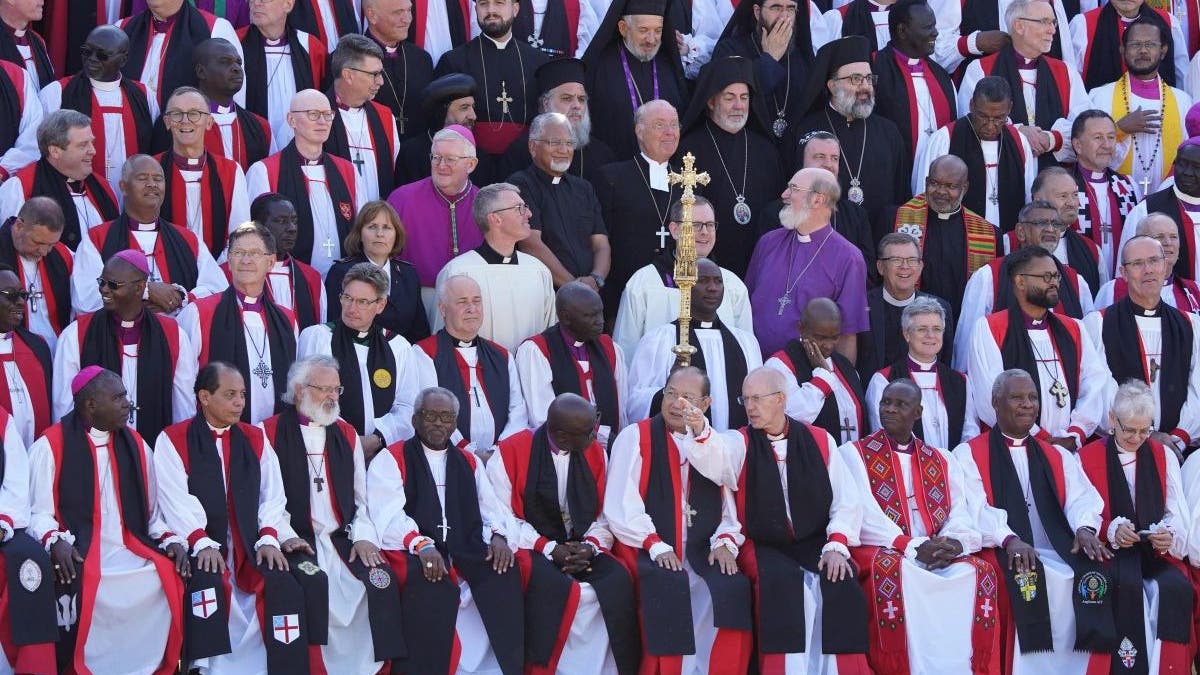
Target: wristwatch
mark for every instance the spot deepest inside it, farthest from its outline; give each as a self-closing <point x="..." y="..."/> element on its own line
<point x="598" y="279"/>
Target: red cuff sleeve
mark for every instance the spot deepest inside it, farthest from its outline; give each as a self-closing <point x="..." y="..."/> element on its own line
<point x="594" y="542"/>
<point x="729" y="537"/>
<point x="7" y="520"/>
<point x="462" y="445"/>
<point x="1058" y="141"/>
<point x="407" y="543"/>
<point x="822" y="385"/>
<point x="900" y="543"/>
<point x="168" y="534"/>
<point x="1004" y="544"/>
<point x="962" y="45"/>
<point x="1078" y="432"/>
<point x="839" y="538"/>
<point x="1182" y="435"/>
<point x="651" y="541"/>
<point x="46" y="537"/>
<point x="4" y="174"/>
<point x="540" y="545"/>
<point x="268" y="532"/>
<point x="194" y="537"/>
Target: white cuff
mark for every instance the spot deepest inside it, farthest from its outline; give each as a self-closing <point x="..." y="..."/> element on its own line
<point x="8" y="531"/>
<point x="836" y="546"/>
<point x="206" y="543"/>
<point x="267" y="540"/>
<point x="173" y="539"/>
<point x="1111" y="532"/>
<point x="910" y="551"/>
<point x="727" y="543"/>
<point x="65" y="536"/>
<point x="548" y="549"/>
<point x="972" y="43"/>
<point x="659" y="549"/>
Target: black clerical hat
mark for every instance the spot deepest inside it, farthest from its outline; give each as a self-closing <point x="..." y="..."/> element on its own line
<point x="648" y="7"/>
<point x="437" y="96"/>
<point x="833" y="55"/>
<point x="607" y="34"/>
<point x="560" y="71"/>
<point x="714" y="77"/>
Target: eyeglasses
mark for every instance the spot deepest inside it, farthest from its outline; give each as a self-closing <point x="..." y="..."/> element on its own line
<point x="15" y="295"/>
<point x="557" y="143"/>
<point x="1141" y="263"/>
<point x="665" y="126"/>
<point x="178" y="116"/>
<point x="448" y="160"/>
<point x="1135" y="432"/>
<point x="1048" y="277"/>
<point x="246" y="255"/>
<point x="373" y="74"/>
<point x="747" y="400"/>
<point x="792" y="187"/>
<point x="1045" y="23"/>
<point x="88" y="51"/>
<point x="857" y="79"/>
<point x="522" y="207"/>
<point x="670" y="394"/>
<point x="444" y="417"/>
<point x="705" y="226"/>
<point x="315" y="115"/>
<point x="1050" y="224"/>
<point x="1139" y="46"/>
<point x="112" y="285"/>
<point x="982" y="119"/>
<point x="326" y="390"/>
<point x="361" y="303"/>
<point x="902" y="262"/>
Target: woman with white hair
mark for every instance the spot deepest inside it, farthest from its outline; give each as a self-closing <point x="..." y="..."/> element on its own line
<point x="1145" y="520"/>
<point x="948" y="409"/>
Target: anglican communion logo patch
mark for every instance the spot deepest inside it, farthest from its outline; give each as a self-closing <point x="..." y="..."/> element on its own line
<point x="1128" y="653"/>
<point x="347" y="212"/>
<point x="379" y="578"/>
<point x="30" y="575"/>
<point x="1093" y="586"/>
<point x="285" y="627"/>
<point x="914" y="231"/>
<point x="308" y="567"/>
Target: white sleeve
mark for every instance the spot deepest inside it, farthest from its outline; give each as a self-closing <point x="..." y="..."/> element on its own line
<point x="66" y="366"/>
<point x="804" y="401"/>
<point x="1062" y="126"/>
<point x="157" y="527"/>
<point x="1178" y="513"/>
<point x="257" y="181"/>
<point x="623" y="505"/>
<point x="189" y="324"/>
<point x="938" y="144"/>
<point x="875" y="392"/>
<point x="183" y="390"/>
<point x="1083" y="504"/>
<point x="1094" y="379"/>
<point x="386" y="501"/>
<point x="1189" y="414"/>
<point x="85" y="294"/>
<point x="1031" y="166"/>
<point x="971" y="76"/>
<point x="536" y="382"/>
<point x="1181" y="50"/>
<point x="729" y="528"/>
<point x="589" y="22"/>
<point x="12" y="197"/>
<point x="949" y="21"/>
<point x="960" y="524"/>
<point x="14" y="493"/>
<point x="1086" y="303"/>
<point x="971" y="423"/>
<point x="493" y="512"/>
<point x="51" y="97"/>
<point x="818" y="28"/>
<point x="1128" y="231"/>
<point x="985" y="364"/>
<point x="1079" y="37"/>
<point x="517" y="419"/>
<point x="210" y="280"/>
<point x="239" y="203"/>
<point x="223" y="29"/>
<point x="362" y="529"/>
<point x="272" y="500"/>
<point x="846" y="509"/>
<point x="43" y="519"/>
<point x="738" y="298"/>
<point x="628" y="329"/>
<point x="1193" y="78"/>
<point x="718" y="457"/>
<point x="621" y="373"/>
<point x="181" y="511"/>
<point x="976" y="303"/>
<point x="25" y="149"/>
<point x="876" y="528"/>
<point x="648" y="372"/>
<point x="396" y="424"/>
<point x="990" y="522"/>
<point x="519" y="533"/>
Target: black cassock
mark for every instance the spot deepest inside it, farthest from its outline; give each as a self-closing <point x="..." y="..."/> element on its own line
<point x="406" y="72"/>
<point x="611" y="103"/>
<point x="500" y="74"/>
<point x="585" y="164"/>
<point x="745" y="164"/>
<point x="566" y="212"/>
<point x="634" y="214"/>
<point x="781" y="89"/>
<point x="882" y="166"/>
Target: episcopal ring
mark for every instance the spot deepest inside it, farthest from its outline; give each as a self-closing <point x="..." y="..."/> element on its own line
<point x="429" y="564"/>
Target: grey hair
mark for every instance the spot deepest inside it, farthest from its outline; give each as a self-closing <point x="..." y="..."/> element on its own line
<point x="351" y="49"/>
<point x="368" y="273"/>
<point x="486" y="200"/>
<point x="896" y="239"/>
<point x="299" y="370"/>
<point x="56" y="127"/>
<point x="1004" y="378"/>
<point x="1134" y="399"/>
<point x="419" y="404"/>
<point x="444" y="288"/>
<point x="1014" y="12"/>
<point x="830" y="188"/>
<point x="127" y="167"/>
<point x="539" y="124"/>
<point x="1142" y="227"/>
<point x="452" y="135"/>
<point x="921" y="304"/>
<point x="648" y="107"/>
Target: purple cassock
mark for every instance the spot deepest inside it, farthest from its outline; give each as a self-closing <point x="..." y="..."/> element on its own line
<point x="434" y="236"/>
<point x="789" y="269"/>
<point x="236" y="12"/>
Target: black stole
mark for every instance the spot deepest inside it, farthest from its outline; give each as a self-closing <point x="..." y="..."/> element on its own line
<point x="858" y="21"/>
<point x="954" y="396"/>
<point x="555" y="35"/>
<point x="892" y="80"/>
<point x="77" y="95"/>
<point x="306" y="18"/>
<point x="493" y="363"/>
<point x="1120" y="334"/>
<point x="254" y="46"/>
<point x="304" y="305"/>
<point x="338" y="143"/>
<point x="1106" y="63"/>
<point x="1068" y="293"/>
<point x="190" y="29"/>
<point x="379" y="357"/>
<point x="1165" y="201"/>
<point x="101" y="346"/>
<point x="1080" y="258"/>
<point x="1017" y="352"/>
<point x="1048" y="107"/>
<point x="35" y="607"/>
<point x="37" y="50"/>
<point x="294" y="186"/>
<point x="735" y="372"/>
<point x="984" y="16"/>
<point x="1094" y="627"/>
<point x="830" y="417"/>
<point x="182" y="266"/>
<point x="293" y="464"/>
<point x="10" y="106"/>
<point x="1010" y="174"/>
<point x="227" y="341"/>
<point x="218" y="227"/>
<point x="206" y="481"/>
<point x="780" y="546"/>
<point x="542" y="510"/>
<point x="47" y="181"/>
<point x="57" y="274"/>
<point x="564" y="374"/>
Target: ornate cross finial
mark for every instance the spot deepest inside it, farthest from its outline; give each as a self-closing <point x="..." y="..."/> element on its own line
<point x="688" y="178"/>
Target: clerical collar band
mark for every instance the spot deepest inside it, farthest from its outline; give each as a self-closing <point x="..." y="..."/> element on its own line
<point x="948" y="216"/>
<point x="492" y="257"/>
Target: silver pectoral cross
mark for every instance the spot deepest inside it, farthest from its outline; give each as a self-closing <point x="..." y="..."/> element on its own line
<point x="663" y="233"/>
<point x="1060" y="393"/>
<point x="784" y="301"/>
<point x="328" y="245"/>
<point x="1145" y="183"/>
<point x="264" y="372"/>
<point x="444" y="527"/>
<point x="688" y="512"/>
<point x="504" y="99"/>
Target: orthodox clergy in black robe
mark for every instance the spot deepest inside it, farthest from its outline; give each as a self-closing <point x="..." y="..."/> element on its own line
<point x="618" y="83"/>
<point x="882" y="174"/>
<point x="884" y="344"/>
<point x="505" y="78"/>
<point x="743" y="167"/>
<point x="437" y="100"/>
<point x="567" y="214"/>
<point x="407" y="70"/>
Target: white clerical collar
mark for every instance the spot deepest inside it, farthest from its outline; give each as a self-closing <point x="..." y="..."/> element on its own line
<point x="706" y="324"/>
<point x="893" y="301"/>
<point x="100" y="437"/>
<point x="362" y="334"/>
<point x="431" y="451"/>
<point x="658" y="174"/>
<point x="216" y="430"/>
<point x="948" y="216"/>
<point x="807" y="238"/>
<point x="499" y="44"/>
<point x="775" y="438"/>
<point x="555" y="180"/>
<point x="1185" y="198"/>
<point x="146" y="227"/>
<point x="279" y="265"/>
<point x="1014" y="442"/>
<point x="1121" y="448"/>
<point x="925" y="365"/>
<point x="127" y="324"/>
<point x="249" y="300"/>
<point x="223" y="109"/>
<point x="105" y="86"/>
<point x="578" y="343"/>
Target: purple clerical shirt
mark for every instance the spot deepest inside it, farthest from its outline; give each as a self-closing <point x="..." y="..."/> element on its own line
<point x="426" y="218"/>
<point x="781" y="262"/>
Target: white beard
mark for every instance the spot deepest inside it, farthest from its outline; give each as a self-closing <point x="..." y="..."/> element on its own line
<point x="318" y="415"/>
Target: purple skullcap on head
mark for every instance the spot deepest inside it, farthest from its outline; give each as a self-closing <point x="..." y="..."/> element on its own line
<point x="1190" y="142"/>
<point x="135" y="258"/>
<point x="466" y="133"/>
<point x="1191" y="122"/>
<point x="85" y="376"/>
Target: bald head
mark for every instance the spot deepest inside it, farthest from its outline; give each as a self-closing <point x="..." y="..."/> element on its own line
<point x="1154" y="223"/>
<point x="821" y="310"/>
<point x="571" y="423"/>
<point x="113" y="44"/>
<point x="764" y="378"/>
<point x="310" y="99"/>
<point x="948" y="167"/>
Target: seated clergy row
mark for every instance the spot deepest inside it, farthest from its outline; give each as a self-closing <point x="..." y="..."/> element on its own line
<point x="277" y="547"/>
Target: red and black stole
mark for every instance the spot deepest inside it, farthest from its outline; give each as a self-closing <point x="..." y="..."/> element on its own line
<point x="157" y="354"/>
<point x="1102" y="463"/>
<point x="225" y="339"/>
<point x="880" y="568"/>
<point x="1016" y="347"/>
<point x="830" y="417"/>
<point x="491" y="371"/>
<point x="12" y="102"/>
<point x="1165" y="201"/>
<point x="218" y="175"/>
<point x="77" y="94"/>
<point x="552" y="597"/>
<point x="54" y="276"/>
<point x="383" y="602"/>
<point x="951" y="388"/>
<point x="568" y="377"/>
<point x="735" y="368"/>
<point x="380" y="365"/>
<point x="1054" y="90"/>
<point x="1103" y="62"/>
<point x="33" y="360"/>
<point x="986" y="16"/>
<point x="664" y="602"/>
<point x="1026" y="599"/>
<point x="1010" y="173"/>
<point x="306" y="291"/>
<point x="286" y="177"/>
<point x="777" y="551"/>
<point x="458" y="18"/>
<point x="190" y="27"/>
<point x="306" y="16"/>
<point x="560" y="28"/>
<point x="308" y="72"/>
<point x="249" y="138"/>
<point x="42" y="179"/>
<point x="175" y="249"/>
<point x="37" y="51"/>
<point x="77" y="503"/>
<point x="432" y="608"/>
<point x="1120" y="335"/>
<point x="896" y="97"/>
<point x="1068" y="291"/>
<point x="380" y="125"/>
<point x="1185" y="291"/>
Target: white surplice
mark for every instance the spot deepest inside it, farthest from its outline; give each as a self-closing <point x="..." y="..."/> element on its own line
<point x="537" y="385"/>
<point x="18" y="393"/>
<point x="1145" y="146"/>
<point x="518" y="299"/>
<point x="805" y="400"/>
<point x="935" y="423"/>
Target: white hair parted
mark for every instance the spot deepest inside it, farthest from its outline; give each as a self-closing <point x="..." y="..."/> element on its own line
<point x="1133" y="400"/>
<point x="299" y="370"/>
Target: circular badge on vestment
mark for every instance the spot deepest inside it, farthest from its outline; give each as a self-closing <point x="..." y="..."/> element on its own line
<point x="382" y="378"/>
<point x="378" y="578"/>
<point x="30" y="575"/>
<point x="1093" y="586"/>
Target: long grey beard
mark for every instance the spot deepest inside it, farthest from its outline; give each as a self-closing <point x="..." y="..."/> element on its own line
<point x="581" y="131"/>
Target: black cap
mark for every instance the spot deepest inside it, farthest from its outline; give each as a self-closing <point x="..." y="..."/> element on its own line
<point x="833" y="55"/>
<point x="646" y="7"/>
<point x="714" y="77"/>
<point x="560" y="71"/>
<point x="437" y="95"/>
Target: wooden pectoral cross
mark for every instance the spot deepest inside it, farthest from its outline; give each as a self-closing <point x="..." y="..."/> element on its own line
<point x="1154" y="368"/>
<point x="319" y="481"/>
<point x="847" y="427"/>
<point x="358" y="162"/>
<point x="1060" y="393"/>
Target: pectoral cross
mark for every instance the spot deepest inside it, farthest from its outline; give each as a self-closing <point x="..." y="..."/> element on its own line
<point x="688" y="512"/>
<point x="358" y="162"/>
<point x="263" y="371"/>
<point x="1154" y="368"/>
<point x="401" y="121"/>
<point x="1060" y="394"/>
<point x="784" y="301"/>
<point x="891" y="610"/>
<point x="1105" y="230"/>
<point x="319" y="481"/>
<point x="20" y="393"/>
<point x="1145" y="183"/>
<point x="34" y="296"/>
<point x="847" y="428"/>
<point x="328" y="246"/>
<point x="444" y="527"/>
<point x="663" y="233"/>
<point x="504" y="99"/>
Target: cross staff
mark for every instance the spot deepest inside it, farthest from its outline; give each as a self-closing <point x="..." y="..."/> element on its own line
<point x="685" y="254"/>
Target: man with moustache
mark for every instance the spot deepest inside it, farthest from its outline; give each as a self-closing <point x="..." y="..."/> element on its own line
<point x="26" y="391"/>
<point x="1105" y="196"/>
<point x="122" y="115"/>
<point x="30" y="244"/>
<point x="1181" y="202"/>
<point x="407" y="69"/>
<point x="447" y="101"/>
<point x="291" y="283"/>
<point x="1178" y="292"/>
<point x="363" y="131"/>
<point x="236" y="133"/>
